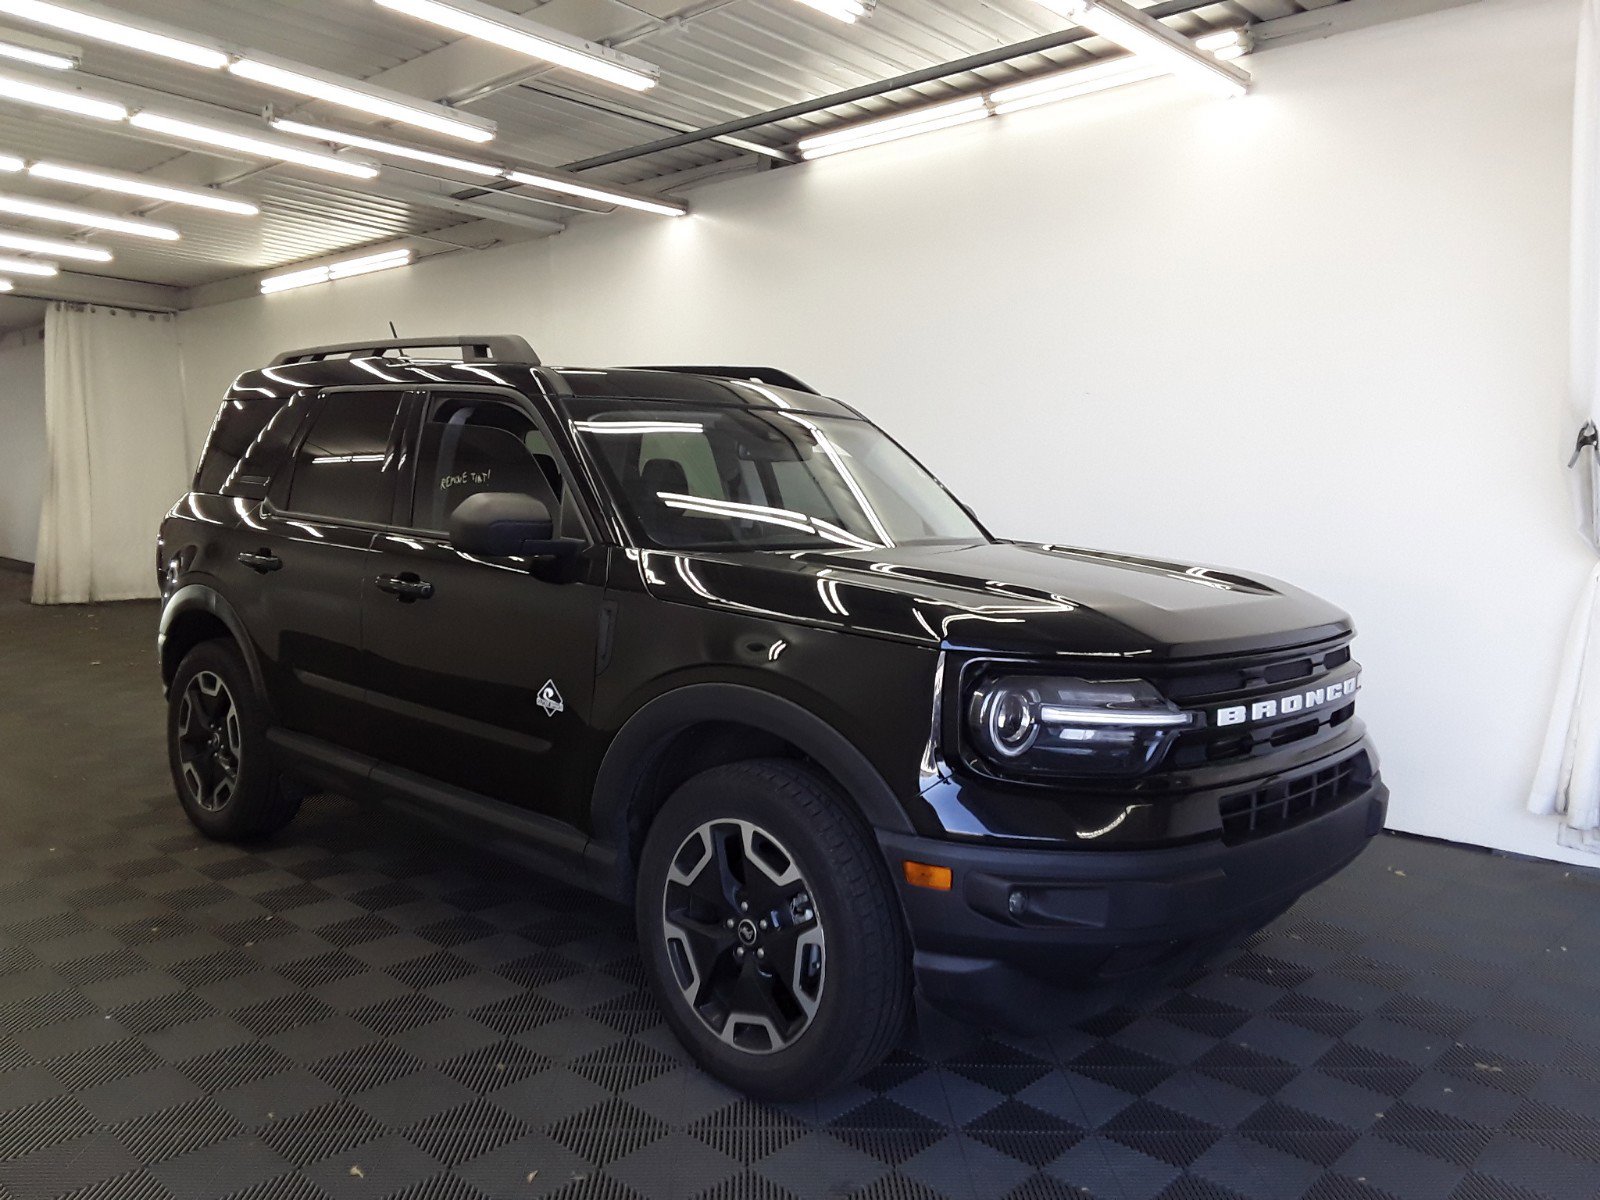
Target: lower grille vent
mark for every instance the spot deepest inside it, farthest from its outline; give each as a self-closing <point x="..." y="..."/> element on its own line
<point x="1288" y="801"/>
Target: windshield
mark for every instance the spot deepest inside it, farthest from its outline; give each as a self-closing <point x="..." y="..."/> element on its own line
<point x="712" y="478"/>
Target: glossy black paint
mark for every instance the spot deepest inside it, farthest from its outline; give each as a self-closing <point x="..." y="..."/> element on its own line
<point x="1008" y="599"/>
<point x="1094" y="926"/>
<point x="463" y="707"/>
<point x="388" y="654"/>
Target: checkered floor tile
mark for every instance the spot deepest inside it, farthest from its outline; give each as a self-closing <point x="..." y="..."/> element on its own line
<point x="359" y="1009"/>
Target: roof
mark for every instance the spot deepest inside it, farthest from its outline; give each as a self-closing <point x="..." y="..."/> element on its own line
<point x="668" y="384"/>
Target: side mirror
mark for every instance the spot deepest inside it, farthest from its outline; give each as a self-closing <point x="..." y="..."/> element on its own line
<point x="506" y="525"/>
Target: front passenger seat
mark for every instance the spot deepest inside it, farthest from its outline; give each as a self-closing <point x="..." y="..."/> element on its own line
<point x="663" y="476"/>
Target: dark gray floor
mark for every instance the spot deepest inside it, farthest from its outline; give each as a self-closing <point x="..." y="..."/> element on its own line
<point x="363" y="1010"/>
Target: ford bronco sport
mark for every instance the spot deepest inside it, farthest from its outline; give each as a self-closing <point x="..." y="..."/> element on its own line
<point x="717" y="647"/>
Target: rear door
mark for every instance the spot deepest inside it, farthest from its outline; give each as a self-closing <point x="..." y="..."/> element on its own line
<point x="309" y="549"/>
<point x="486" y="681"/>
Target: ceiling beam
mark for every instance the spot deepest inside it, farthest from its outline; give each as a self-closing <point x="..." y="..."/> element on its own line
<point x="655" y="115"/>
<point x="466" y="208"/>
<point x="865" y="91"/>
<point x="100" y="289"/>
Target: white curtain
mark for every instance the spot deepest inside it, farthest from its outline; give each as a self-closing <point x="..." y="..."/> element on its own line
<point x="1568" y="781"/>
<point x="119" y="451"/>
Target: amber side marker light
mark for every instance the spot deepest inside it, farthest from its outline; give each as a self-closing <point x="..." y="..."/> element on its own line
<point x="926" y="875"/>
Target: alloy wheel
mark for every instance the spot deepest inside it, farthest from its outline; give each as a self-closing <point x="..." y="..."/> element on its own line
<point x="743" y="935"/>
<point x="209" y="741"/>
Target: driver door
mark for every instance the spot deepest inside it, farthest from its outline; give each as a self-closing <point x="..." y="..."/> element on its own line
<point x="483" y="669"/>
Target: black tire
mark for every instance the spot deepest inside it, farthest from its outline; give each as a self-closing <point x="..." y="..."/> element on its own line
<point x="839" y="973"/>
<point x="235" y="792"/>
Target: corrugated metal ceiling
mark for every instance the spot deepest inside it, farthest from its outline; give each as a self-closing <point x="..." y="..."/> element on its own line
<point x="743" y="59"/>
<point x="721" y="60"/>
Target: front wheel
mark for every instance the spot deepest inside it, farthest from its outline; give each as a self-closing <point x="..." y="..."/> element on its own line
<point x="770" y="930"/>
<point x="217" y="747"/>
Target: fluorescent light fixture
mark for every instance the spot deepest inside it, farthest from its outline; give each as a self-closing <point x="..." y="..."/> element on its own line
<point x="71" y="214"/>
<point x="369" y="264"/>
<point x="11" y="240"/>
<point x="62" y="97"/>
<point x="6" y="285"/>
<point x="754" y="147"/>
<point x="1079" y="81"/>
<point x="36" y="58"/>
<point x="475" y="19"/>
<point x="107" y="25"/>
<point x="10" y="162"/>
<point x="294" y="279"/>
<point x="888" y="129"/>
<point x="251" y="145"/>
<point x="1104" y="75"/>
<point x="340" y="270"/>
<point x="138" y="185"/>
<point x="1145" y="36"/>
<point x="26" y="266"/>
<point x="378" y="146"/>
<point x="1226" y="44"/>
<point x="377" y="102"/>
<point x="665" y="208"/>
<point x="848" y="11"/>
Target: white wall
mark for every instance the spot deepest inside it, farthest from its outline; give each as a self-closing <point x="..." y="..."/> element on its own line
<point x="22" y="442"/>
<point x="1319" y="333"/>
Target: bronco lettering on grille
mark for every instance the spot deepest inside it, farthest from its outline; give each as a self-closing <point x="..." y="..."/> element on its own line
<point x="1286" y="705"/>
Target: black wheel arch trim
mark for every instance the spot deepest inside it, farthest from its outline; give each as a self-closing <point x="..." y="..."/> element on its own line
<point x="637" y="746"/>
<point x="200" y="597"/>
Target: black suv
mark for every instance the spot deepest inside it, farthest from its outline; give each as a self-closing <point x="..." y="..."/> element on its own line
<point x="717" y="647"/>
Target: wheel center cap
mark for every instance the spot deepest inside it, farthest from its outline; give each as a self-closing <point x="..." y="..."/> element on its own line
<point x="747" y="932"/>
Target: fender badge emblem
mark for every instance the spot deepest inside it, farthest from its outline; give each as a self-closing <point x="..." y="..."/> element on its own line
<point x="549" y="699"/>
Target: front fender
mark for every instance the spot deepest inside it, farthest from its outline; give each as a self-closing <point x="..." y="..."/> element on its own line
<point x="636" y="747"/>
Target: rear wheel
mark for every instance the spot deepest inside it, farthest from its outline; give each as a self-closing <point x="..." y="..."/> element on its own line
<point x="217" y="748"/>
<point x="770" y="930"/>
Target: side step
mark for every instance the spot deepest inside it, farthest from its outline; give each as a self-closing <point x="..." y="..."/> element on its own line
<point x="549" y="846"/>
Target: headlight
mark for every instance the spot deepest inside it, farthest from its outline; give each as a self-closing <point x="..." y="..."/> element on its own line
<point x="1044" y="725"/>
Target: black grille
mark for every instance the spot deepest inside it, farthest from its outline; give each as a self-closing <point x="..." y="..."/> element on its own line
<point x="1245" y="673"/>
<point x="1286" y="802"/>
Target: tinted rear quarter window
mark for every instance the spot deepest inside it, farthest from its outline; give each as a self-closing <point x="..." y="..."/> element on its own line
<point x="238" y="437"/>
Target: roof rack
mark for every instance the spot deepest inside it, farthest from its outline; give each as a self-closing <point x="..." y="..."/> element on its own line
<point x="507" y="347"/>
<point x="767" y="375"/>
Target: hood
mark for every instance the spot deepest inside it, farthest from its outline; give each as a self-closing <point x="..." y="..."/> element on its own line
<point x="1006" y="598"/>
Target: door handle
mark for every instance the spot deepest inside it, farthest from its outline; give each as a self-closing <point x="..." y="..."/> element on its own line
<point x="406" y="587"/>
<point x="262" y="561"/>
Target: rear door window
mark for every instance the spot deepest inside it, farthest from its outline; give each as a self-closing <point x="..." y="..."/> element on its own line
<point x="343" y="468"/>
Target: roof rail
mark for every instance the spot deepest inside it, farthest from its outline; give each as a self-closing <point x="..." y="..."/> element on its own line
<point x="506" y="347"/>
<point x="768" y="375"/>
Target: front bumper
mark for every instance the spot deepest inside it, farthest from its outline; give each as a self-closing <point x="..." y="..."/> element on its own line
<point x="1029" y="939"/>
